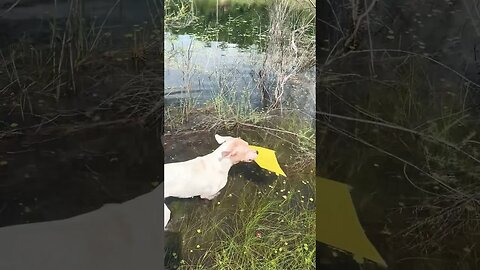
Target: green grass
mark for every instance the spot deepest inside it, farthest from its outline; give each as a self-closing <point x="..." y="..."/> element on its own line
<point x="304" y="130"/>
<point x="256" y="227"/>
<point x="229" y="107"/>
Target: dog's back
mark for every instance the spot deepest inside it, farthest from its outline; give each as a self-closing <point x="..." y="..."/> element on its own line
<point x="188" y="178"/>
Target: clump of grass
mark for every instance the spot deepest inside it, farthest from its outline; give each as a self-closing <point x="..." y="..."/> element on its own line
<point x="266" y="228"/>
<point x="230" y="107"/>
<point x="53" y="69"/>
<point x="450" y="207"/>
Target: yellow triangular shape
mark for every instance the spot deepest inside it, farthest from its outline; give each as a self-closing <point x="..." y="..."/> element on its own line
<point x="266" y="159"/>
<point x="337" y="222"/>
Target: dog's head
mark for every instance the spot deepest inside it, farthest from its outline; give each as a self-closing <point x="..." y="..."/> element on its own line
<point x="236" y="149"/>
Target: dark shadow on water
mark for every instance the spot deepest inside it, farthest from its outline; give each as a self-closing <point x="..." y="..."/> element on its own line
<point x="75" y="174"/>
<point x="327" y="259"/>
<point x="252" y="172"/>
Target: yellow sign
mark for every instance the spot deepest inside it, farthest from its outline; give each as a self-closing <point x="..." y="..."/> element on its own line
<point x="337" y="222"/>
<point x="266" y="159"/>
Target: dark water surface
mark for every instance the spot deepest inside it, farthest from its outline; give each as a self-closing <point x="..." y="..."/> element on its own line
<point x="68" y="157"/>
<point x="418" y="69"/>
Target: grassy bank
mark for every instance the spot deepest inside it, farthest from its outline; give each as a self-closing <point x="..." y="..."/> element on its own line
<point x="270" y="227"/>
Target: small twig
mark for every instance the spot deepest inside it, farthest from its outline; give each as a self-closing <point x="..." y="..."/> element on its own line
<point x="275" y="129"/>
<point x="94" y="43"/>
<point x="95" y="177"/>
<point x="359" y="22"/>
<point x="413" y="184"/>
<point x="372" y="66"/>
<point x="20" y="152"/>
<point x="10" y="8"/>
<point x="339" y="26"/>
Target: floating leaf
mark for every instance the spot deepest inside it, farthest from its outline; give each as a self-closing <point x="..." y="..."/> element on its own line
<point x="266" y="159"/>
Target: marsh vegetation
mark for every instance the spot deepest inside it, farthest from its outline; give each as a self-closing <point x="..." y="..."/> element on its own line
<point x="399" y="120"/>
<point x="80" y="106"/>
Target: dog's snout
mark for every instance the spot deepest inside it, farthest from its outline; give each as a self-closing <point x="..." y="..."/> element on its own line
<point x="256" y="152"/>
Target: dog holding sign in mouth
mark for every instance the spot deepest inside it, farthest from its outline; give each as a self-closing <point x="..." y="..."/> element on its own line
<point x="205" y="176"/>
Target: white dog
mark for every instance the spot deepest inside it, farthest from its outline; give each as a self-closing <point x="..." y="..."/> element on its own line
<point x="205" y="176"/>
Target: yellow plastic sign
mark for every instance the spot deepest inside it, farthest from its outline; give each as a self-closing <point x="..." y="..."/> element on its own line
<point x="337" y="222"/>
<point x="267" y="160"/>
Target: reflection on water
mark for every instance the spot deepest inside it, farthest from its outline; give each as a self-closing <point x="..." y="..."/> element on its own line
<point x="208" y="57"/>
<point x="205" y="68"/>
<point x="234" y="23"/>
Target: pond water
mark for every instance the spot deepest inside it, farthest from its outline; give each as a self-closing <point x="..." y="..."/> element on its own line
<point x="417" y="68"/>
<point x="71" y="156"/>
<point x="208" y="57"/>
<point x="213" y="66"/>
<point x="31" y="19"/>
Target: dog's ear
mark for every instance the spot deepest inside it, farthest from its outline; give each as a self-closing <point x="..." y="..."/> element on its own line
<point x="220" y="139"/>
<point x="228" y="153"/>
<point x="225" y="154"/>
